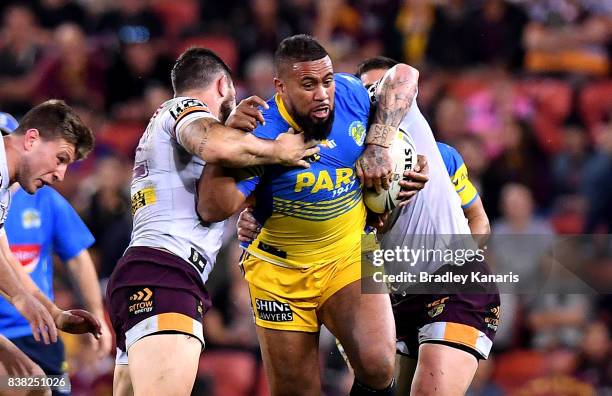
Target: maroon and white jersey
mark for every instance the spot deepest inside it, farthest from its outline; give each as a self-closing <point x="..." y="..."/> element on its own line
<point x="164" y="189"/>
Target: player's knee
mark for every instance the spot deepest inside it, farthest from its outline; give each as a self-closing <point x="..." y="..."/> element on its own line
<point x="376" y="366"/>
<point x="425" y="386"/>
<point x="296" y="382"/>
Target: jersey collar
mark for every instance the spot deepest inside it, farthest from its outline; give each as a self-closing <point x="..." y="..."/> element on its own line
<point x="285" y="114"/>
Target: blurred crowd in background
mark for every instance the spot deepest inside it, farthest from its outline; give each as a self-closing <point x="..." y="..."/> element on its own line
<point x="522" y="88"/>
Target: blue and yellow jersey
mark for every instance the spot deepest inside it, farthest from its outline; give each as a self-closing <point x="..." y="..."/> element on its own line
<point x="459" y="174"/>
<point x="312" y="216"/>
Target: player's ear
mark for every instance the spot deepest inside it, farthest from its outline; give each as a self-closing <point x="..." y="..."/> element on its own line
<point x="223" y="85"/>
<point x="279" y="85"/>
<point x="30" y="137"/>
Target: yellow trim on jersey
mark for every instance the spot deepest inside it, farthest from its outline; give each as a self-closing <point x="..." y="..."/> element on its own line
<point x="291" y="241"/>
<point x="314" y="216"/>
<point x="285" y="114"/>
<point x="463" y="186"/>
<point x="322" y="207"/>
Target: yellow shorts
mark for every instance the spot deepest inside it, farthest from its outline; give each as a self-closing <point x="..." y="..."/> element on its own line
<point x="288" y="298"/>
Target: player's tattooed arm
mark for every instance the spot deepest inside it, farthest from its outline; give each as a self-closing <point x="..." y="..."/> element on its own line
<point x="394" y="96"/>
<point x="215" y="143"/>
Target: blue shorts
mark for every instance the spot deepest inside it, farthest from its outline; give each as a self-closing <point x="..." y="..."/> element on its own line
<point x="50" y="358"/>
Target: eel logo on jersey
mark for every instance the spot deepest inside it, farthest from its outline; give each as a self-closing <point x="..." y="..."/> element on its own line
<point x="273" y="311"/>
<point x="27" y="254"/>
<point x="30" y="218"/>
<point x="357" y="132"/>
<point x="141" y="301"/>
<point x="143" y="197"/>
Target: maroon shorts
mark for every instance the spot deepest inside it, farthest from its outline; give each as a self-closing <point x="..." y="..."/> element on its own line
<point x="464" y="320"/>
<point x="153" y="291"/>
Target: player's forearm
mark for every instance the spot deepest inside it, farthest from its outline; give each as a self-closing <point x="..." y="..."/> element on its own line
<point x="24" y="282"/>
<point x="249" y="150"/>
<point x="394" y="96"/>
<point x="82" y="269"/>
<point x="217" y="144"/>
<point x="218" y="195"/>
<point x="11" y="284"/>
<point x="478" y="222"/>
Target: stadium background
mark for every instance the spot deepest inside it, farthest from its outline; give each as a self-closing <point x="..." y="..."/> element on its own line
<point x="522" y="89"/>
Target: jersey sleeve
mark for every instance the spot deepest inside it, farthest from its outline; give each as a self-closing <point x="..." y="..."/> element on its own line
<point x="274" y="123"/>
<point x="352" y="90"/>
<point x="459" y="174"/>
<point x="70" y="234"/>
<point x="247" y="179"/>
<point x="184" y="112"/>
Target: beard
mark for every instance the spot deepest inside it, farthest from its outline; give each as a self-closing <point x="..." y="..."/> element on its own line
<point x="225" y="109"/>
<point x="315" y="130"/>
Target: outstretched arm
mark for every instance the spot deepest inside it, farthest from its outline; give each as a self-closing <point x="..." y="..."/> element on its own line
<point x="73" y="321"/>
<point x="218" y="144"/>
<point x="24" y="295"/>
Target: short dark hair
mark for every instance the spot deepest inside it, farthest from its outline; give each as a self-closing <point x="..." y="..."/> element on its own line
<point x="196" y="68"/>
<point x="377" y="62"/>
<point x="298" y="48"/>
<point x="54" y="119"/>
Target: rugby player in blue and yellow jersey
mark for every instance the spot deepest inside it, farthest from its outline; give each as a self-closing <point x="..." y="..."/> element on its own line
<point x="303" y="269"/>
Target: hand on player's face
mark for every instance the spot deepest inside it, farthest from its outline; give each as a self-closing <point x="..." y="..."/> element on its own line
<point x="413" y="181"/>
<point x="247" y="227"/>
<point x="247" y="115"/>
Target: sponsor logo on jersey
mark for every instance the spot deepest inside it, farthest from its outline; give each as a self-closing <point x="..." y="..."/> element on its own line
<point x="27" y="254"/>
<point x="436" y="307"/>
<point x="273" y="311"/>
<point x="187" y="104"/>
<point x="323" y="180"/>
<point x="141" y="170"/>
<point x="196" y="259"/>
<point x="143" y="197"/>
<point x="30" y="218"/>
<point x="357" y="132"/>
<point x="492" y="320"/>
<point x="328" y="143"/>
<point x="141" y="301"/>
<point x="199" y="308"/>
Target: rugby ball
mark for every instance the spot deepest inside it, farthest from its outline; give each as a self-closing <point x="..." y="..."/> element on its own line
<point x="404" y="157"/>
